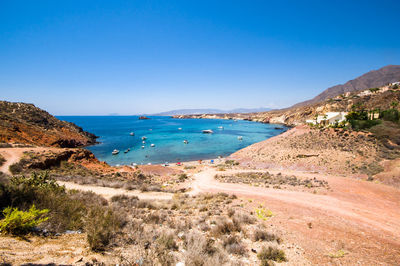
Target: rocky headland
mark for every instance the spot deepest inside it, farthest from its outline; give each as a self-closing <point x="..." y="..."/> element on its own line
<point x="27" y="124"/>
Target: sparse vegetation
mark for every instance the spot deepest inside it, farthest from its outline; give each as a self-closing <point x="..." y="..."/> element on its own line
<point x="208" y="226"/>
<point x="265" y="179"/>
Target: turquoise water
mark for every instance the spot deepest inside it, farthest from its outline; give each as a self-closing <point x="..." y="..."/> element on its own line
<point x="163" y="132"/>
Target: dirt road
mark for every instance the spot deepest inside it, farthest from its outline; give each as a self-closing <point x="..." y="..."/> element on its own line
<point x="108" y="192"/>
<point x="358" y="216"/>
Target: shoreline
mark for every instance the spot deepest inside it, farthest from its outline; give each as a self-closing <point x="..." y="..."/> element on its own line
<point x="282" y="127"/>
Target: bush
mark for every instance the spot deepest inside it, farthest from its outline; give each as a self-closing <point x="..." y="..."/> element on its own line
<point x="390" y="115"/>
<point x="271" y="254"/>
<point x="183" y="177"/>
<point x="363" y="124"/>
<point x="15" y="168"/>
<point x="261" y="235"/>
<point x="233" y="245"/>
<point x="18" y="222"/>
<point x="2" y="160"/>
<point x="231" y="162"/>
<point x="167" y="242"/>
<point x="101" y="227"/>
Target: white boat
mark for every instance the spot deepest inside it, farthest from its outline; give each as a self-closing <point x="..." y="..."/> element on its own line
<point x="208" y="131"/>
<point x="115" y="152"/>
<point x="152" y="145"/>
<point x="180" y="128"/>
<point x="144" y="142"/>
<point x="185" y="141"/>
<point x="144" y="138"/>
<point x="240" y="138"/>
<point x="132" y="134"/>
<point x="142" y="147"/>
<point x="221" y="127"/>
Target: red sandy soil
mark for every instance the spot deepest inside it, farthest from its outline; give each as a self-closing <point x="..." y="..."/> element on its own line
<point x="360" y="217"/>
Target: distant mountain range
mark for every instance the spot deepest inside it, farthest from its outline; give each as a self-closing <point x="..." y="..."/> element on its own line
<point x="211" y="111"/>
<point x="372" y="79"/>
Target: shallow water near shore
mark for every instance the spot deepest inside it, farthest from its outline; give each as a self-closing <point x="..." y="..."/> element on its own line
<point x="164" y="133"/>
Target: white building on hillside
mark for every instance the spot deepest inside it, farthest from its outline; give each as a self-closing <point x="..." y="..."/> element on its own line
<point x="329" y="118"/>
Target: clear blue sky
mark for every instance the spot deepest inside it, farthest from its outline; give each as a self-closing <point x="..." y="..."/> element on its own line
<point x="127" y="57"/>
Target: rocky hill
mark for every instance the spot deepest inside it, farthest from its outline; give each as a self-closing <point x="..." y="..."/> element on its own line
<point x="372" y="79"/>
<point x="25" y="123"/>
<point x="334" y="99"/>
<point x="293" y="116"/>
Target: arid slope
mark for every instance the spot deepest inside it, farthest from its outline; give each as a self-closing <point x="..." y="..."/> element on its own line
<point x="27" y="124"/>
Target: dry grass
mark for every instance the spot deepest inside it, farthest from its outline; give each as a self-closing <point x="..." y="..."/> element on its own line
<point x="265" y="179"/>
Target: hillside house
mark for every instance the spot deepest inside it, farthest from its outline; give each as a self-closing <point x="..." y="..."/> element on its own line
<point x="330" y="118"/>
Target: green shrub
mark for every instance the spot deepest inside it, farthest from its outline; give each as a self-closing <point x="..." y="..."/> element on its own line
<point x="363" y="124"/>
<point x="390" y="115"/>
<point x="18" y="222"/>
<point x="266" y="255"/>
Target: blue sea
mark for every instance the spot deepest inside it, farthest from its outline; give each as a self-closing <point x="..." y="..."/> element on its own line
<point x="164" y="133"/>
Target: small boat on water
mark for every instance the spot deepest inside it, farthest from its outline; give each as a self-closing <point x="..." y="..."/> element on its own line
<point x="142" y="147"/>
<point x="221" y="127"/>
<point x="144" y="142"/>
<point x="240" y="138"/>
<point x="152" y="145"/>
<point x="132" y="133"/>
<point x="126" y="151"/>
<point x="185" y="141"/>
<point x="278" y="128"/>
<point x="179" y="128"/>
<point x="115" y="152"/>
<point x="207" y="131"/>
<point x="144" y="138"/>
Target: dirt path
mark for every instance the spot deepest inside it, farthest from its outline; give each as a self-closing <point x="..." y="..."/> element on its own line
<point x="12" y="155"/>
<point x="108" y="192"/>
<point x="357" y="216"/>
<point x="362" y="218"/>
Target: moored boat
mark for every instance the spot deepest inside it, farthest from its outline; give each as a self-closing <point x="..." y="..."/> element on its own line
<point x="207" y="131"/>
<point x="115" y="152"/>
